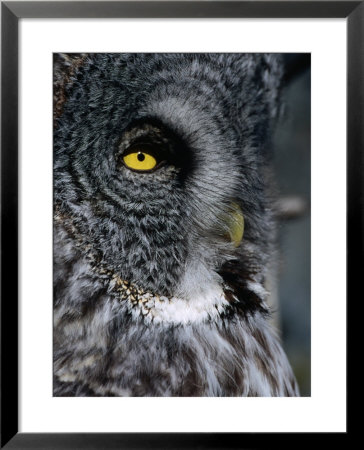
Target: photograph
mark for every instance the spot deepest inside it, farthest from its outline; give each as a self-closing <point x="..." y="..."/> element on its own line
<point x="181" y="226"/>
<point x="180" y="196"/>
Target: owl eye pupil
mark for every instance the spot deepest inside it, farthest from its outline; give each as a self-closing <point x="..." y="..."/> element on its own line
<point x="140" y="160"/>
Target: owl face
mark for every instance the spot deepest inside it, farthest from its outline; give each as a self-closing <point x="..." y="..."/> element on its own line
<point x="153" y="156"/>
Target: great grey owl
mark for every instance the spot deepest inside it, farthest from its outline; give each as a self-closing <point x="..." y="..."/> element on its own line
<point x="163" y="225"/>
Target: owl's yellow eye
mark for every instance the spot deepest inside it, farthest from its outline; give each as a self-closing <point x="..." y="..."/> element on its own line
<point x="140" y="160"/>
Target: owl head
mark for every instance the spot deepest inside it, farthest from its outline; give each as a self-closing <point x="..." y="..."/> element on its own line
<point x="161" y="164"/>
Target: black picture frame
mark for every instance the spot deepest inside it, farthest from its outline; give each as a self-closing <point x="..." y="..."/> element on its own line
<point x="11" y="12"/>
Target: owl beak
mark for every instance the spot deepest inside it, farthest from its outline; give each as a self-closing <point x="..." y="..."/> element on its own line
<point x="235" y="224"/>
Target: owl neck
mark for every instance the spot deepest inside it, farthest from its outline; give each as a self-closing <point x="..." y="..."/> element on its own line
<point x="214" y="302"/>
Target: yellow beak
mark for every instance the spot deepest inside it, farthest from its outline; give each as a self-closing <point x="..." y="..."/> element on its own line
<point x="235" y="223"/>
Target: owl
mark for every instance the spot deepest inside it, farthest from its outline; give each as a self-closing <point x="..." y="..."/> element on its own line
<point x="164" y="225"/>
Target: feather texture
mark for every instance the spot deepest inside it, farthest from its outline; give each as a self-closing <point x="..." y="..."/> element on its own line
<point x="150" y="297"/>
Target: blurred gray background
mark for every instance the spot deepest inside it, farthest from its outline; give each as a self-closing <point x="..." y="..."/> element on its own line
<point x="292" y="163"/>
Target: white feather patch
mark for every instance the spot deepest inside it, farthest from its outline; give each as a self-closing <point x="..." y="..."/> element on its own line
<point x="208" y="304"/>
